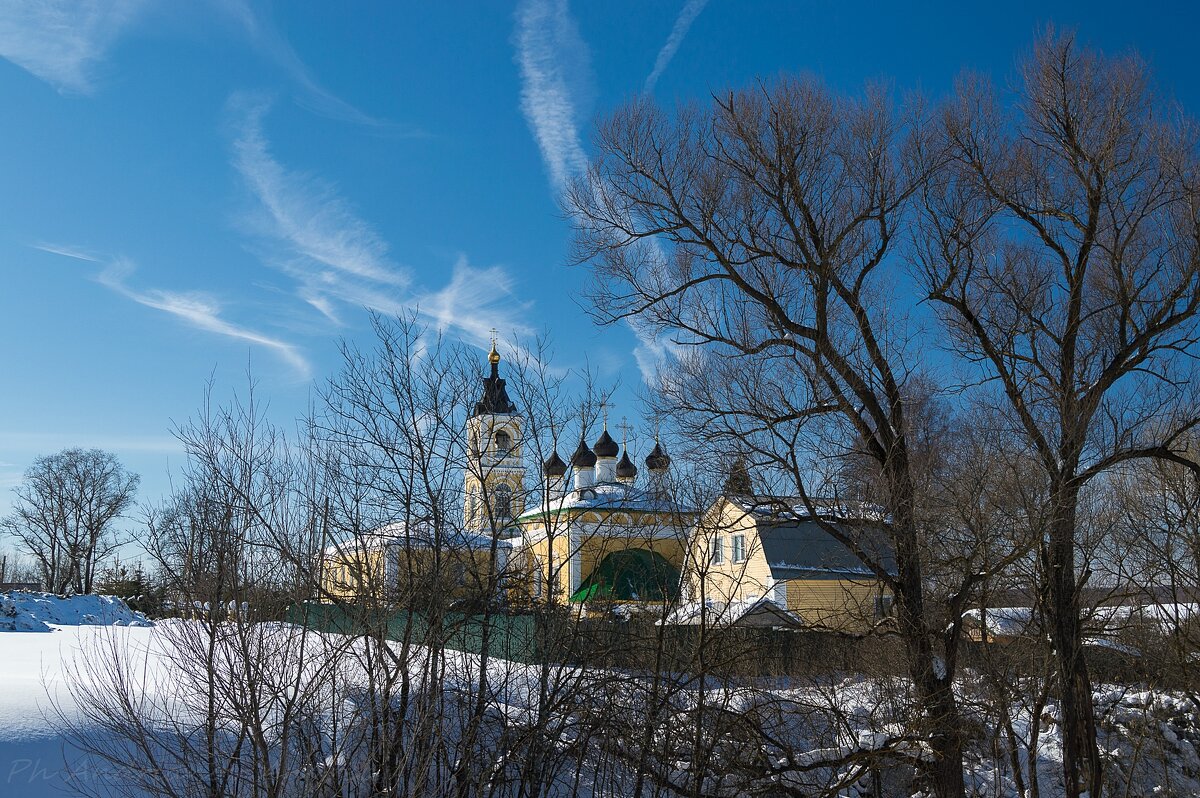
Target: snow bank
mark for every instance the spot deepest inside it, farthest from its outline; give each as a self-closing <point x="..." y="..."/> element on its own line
<point x="22" y="611"/>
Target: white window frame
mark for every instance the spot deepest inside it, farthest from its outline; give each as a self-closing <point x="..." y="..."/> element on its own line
<point x="717" y="556"/>
<point x="738" y="548"/>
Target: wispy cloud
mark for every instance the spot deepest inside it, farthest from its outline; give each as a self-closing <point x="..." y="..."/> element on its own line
<point x="264" y="36"/>
<point x="199" y="310"/>
<point x="63" y="41"/>
<point x="68" y="251"/>
<point x="651" y="352"/>
<point x="553" y="60"/>
<point x="475" y="301"/>
<point x="302" y="212"/>
<point x="309" y="232"/>
<point x="683" y="22"/>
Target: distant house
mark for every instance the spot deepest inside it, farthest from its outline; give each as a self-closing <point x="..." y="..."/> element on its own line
<point x="747" y="549"/>
<point x="1118" y="615"/>
<point x="26" y="586"/>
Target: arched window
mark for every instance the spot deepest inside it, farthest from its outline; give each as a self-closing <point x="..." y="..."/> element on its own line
<point x="503" y="443"/>
<point x="502" y="505"/>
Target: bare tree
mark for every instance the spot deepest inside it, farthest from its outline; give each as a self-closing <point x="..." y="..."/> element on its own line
<point x="758" y="234"/>
<point x="1061" y="244"/>
<point x="1155" y="559"/>
<point x="64" y="513"/>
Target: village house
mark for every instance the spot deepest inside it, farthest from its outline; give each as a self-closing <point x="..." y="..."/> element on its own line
<point x="772" y="560"/>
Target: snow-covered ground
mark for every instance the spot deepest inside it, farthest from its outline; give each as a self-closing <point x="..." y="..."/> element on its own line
<point x="42" y="635"/>
<point x="1150" y="739"/>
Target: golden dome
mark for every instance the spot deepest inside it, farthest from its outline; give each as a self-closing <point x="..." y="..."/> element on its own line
<point x="493" y="356"/>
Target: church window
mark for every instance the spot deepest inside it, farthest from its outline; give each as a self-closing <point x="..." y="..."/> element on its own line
<point x="739" y="548"/>
<point x="718" y="550"/>
<point x="503" y="443"/>
<point x="502" y="507"/>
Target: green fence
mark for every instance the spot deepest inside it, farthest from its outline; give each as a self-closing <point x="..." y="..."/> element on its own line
<point x="521" y="638"/>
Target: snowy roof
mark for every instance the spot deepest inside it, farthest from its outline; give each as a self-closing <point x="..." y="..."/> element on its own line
<point x="1016" y="621"/>
<point x="793" y="508"/>
<point x="608" y="496"/>
<point x="417" y="536"/>
<point x="797" y="544"/>
<point x="727" y="613"/>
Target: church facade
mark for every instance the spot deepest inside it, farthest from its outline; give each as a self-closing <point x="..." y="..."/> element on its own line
<point x="599" y="535"/>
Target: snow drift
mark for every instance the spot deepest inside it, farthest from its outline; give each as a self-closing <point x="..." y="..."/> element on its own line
<point x="22" y="611"/>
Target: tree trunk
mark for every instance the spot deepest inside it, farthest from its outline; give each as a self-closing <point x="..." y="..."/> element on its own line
<point x="934" y="684"/>
<point x="1081" y="755"/>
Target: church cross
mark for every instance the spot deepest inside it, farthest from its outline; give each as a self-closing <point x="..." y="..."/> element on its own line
<point x="626" y="431"/>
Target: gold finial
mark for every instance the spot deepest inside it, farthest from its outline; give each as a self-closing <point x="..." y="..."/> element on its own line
<point x="493" y="356"/>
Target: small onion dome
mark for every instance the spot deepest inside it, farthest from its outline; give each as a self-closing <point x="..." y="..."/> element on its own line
<point x="605" y="446"/>
<point x="657" y="460"/>
<point x="625" y="467"/>
<point x="583" y="457"/>
<point x="554" y="466"/>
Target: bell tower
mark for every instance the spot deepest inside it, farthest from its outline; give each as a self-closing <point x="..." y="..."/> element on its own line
<point x="495" y="476"/>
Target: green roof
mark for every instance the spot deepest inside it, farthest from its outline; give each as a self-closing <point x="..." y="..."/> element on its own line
<point x="631" y="575"/>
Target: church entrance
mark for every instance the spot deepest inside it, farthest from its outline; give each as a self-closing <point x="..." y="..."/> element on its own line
<point x="631" y="575"/>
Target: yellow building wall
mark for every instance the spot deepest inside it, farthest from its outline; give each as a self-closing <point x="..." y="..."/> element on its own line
<point x="360" y="575"/>
<point x="352" y="574"/>
<point x="726" y="580"/>
<point x="843" y="604"/>
<point x="489" y="468"/>
<point x="846" y="604"/>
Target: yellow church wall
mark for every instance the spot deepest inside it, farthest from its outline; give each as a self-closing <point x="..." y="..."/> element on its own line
<point x="595" y="535"/>
<point x="359" y="574"/>
<point x="352" y="574"/>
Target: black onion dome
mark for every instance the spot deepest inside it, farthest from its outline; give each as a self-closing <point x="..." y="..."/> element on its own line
<point x="495" y="397"/>
<point x="657" y="460"/>
<point x="583" y="457"/>
<point x="554" y="466"/>
<point x="605" y="446"/>
<point x="625" y="467"/>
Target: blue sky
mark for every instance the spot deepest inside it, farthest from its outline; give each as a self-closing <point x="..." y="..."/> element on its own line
<point x="187" y="189"/>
